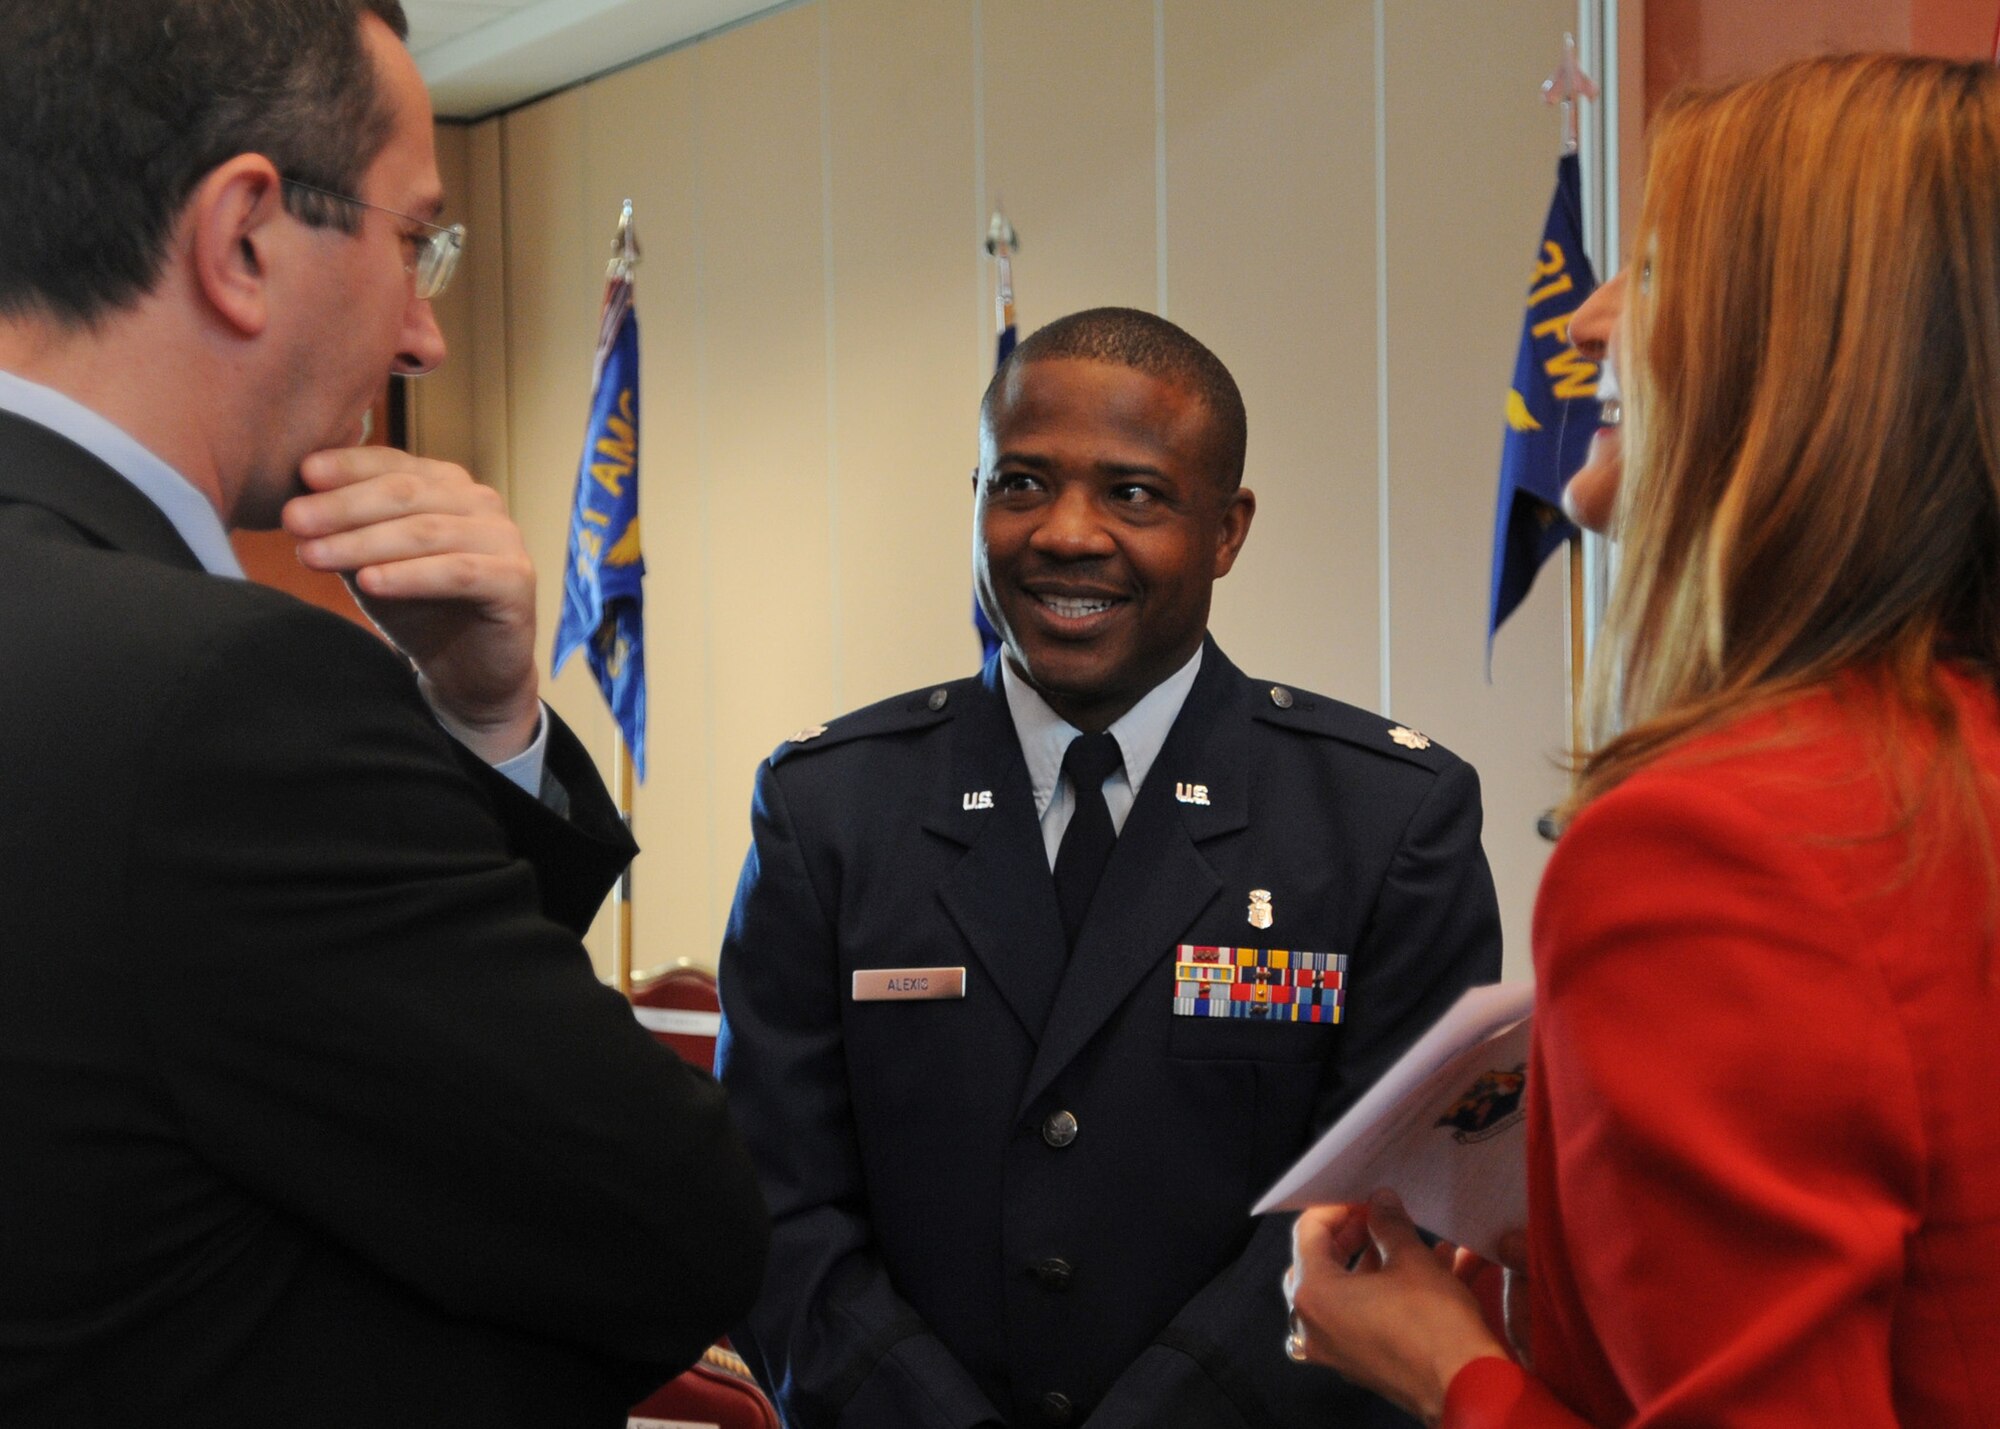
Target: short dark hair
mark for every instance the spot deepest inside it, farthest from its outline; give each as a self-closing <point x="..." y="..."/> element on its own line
<point x="112" y="111"/>
<point x="1150" y="344"/>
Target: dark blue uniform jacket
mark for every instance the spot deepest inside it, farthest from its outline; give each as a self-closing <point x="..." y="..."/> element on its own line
<point x="951" y="1249"/>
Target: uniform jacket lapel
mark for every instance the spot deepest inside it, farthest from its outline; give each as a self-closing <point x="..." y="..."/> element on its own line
<point x="40" y="468"/>
<point x="1000" y="895"/>
<point x="1158" y="881"/>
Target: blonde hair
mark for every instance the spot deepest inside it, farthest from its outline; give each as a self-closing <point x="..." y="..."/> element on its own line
<point x="1812" y="461"/>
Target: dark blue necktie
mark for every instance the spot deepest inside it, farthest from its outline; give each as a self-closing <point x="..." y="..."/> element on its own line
<point x="1086" y="843"/>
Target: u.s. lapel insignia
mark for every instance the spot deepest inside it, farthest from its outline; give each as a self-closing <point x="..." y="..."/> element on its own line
<point x="811" y="731"/>
<point x="1260" y="908"/>
<point x="1409" y="738"/>
<point x="977" y="799"/>
<point x="1191" y="793"/>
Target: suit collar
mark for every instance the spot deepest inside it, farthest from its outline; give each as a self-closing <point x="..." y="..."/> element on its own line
<point x="40" y="467"/>
<point x="1158" y="881"/>
<point x="1000" y="894"/>
<point x="1204" y="766"/>
<point x="1141" y="731"/>
<point x="985" y="757"/>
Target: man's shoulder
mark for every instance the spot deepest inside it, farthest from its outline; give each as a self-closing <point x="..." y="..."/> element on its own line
<point x="132" y="613"/>
<point x="913" y="711"/>
<point x="1345" y="727"/>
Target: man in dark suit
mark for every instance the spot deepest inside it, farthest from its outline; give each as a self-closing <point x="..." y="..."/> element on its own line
<point x="314" y="1113"/>
<point x="1019" y="1022"/>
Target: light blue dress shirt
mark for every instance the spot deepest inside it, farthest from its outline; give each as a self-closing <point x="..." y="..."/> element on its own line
<point x="1045" y="737"/>
<point x="185" y="508"/>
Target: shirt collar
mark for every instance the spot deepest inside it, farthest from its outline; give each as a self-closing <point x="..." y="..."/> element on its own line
<point x="185" y="508"/>
<point x="1140" y="731"/>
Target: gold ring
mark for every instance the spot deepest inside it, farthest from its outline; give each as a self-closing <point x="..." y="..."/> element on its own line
<point x="1295" y="1340"/>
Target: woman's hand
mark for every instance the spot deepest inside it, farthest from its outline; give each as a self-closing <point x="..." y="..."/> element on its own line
<point x="1513" y="1251"/>
<point x="1398" y="1322"/>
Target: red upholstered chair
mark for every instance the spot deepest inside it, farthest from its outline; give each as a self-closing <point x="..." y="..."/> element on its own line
<point x="680" y="1008"/>
<point x="718" y="1393"/>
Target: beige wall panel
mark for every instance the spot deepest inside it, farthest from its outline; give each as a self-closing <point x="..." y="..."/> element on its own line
<point x="1714" y="40"/>
<point x="571" y="161"/>
<point x="1271" y="261"/>
<point x="483" y="348"/>
<point x="1963" y="28"/>
<point x="1471" y="165"/>
<point x="1070" y="147"/>
<point x="764" y="400"/>
<point x="909" y="353"/>
<point x="817" y="322"/>
<point x="640" y="133"/>
<point x="441" y="405"/>
<point x="555" y="271"/>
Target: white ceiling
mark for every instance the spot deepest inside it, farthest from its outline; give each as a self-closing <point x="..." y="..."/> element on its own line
<point x="479" y="56"/>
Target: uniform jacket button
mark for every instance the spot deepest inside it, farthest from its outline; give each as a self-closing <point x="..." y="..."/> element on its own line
<point x="1060" y="1129"/>
<point x="1056" y="1408"/>
<point x="1054" y="1273"/>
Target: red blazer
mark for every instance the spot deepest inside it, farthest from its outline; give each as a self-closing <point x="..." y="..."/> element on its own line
<point x="1764" y="1134"/>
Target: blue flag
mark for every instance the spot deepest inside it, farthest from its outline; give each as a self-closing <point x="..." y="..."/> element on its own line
<point x="989" y="638"/>
<point x="1551" y="409"/>
<point x="601" y="580"/>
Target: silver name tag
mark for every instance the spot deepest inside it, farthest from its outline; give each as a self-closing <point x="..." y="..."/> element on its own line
<point x="908" y="984"/>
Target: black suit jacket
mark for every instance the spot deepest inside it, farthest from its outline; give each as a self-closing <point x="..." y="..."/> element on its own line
<point x="942" y="1255"/>
<point x="313" y="1111"/>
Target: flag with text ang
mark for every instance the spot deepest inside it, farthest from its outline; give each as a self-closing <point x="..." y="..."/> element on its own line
<point x="601" y="609"/>
<point x="1551" y="407"/>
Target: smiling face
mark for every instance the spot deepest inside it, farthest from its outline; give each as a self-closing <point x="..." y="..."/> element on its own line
<point x="1102" y="525"/>
<point x="1591" y="496"/>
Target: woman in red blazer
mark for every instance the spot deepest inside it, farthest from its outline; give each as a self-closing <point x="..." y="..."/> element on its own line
<point x="1764" y="1124"/>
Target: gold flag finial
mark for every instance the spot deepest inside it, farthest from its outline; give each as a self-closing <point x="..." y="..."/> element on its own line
<point x="1000" y="235"/>
<point x="624" y="245"/>
<point x="1568" y="86"/>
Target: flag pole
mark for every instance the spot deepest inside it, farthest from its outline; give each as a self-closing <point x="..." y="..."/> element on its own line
<point x="1001" y="241"/>
<point x="1569" y="86"/>
<point x="621" y="932"/>
<point x="624" y="257"/>
<point x="1578" y="656"/>
<point x="603" y="598"/>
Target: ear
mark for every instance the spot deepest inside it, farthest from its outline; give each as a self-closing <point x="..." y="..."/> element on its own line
<point x="231" y="223"/>
<point x="1235" y="528"/>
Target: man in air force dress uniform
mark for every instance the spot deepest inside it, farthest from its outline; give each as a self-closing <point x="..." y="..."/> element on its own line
<point x="1019" y="1019"/>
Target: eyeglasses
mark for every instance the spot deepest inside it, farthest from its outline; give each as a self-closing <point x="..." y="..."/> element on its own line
<point x="438" y="247"/>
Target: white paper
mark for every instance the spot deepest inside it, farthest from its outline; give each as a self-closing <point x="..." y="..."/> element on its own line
<point x="1445" y="1128"/>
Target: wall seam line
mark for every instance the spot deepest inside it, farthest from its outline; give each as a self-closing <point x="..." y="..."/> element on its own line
<point x="508" y="426"/>
<point x="1160" y="153"/>
<point x="980" y="197"/>
<point x="835" y="624"/>
<point x="1382" y="347"/>
<point x="703" y="475"/>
